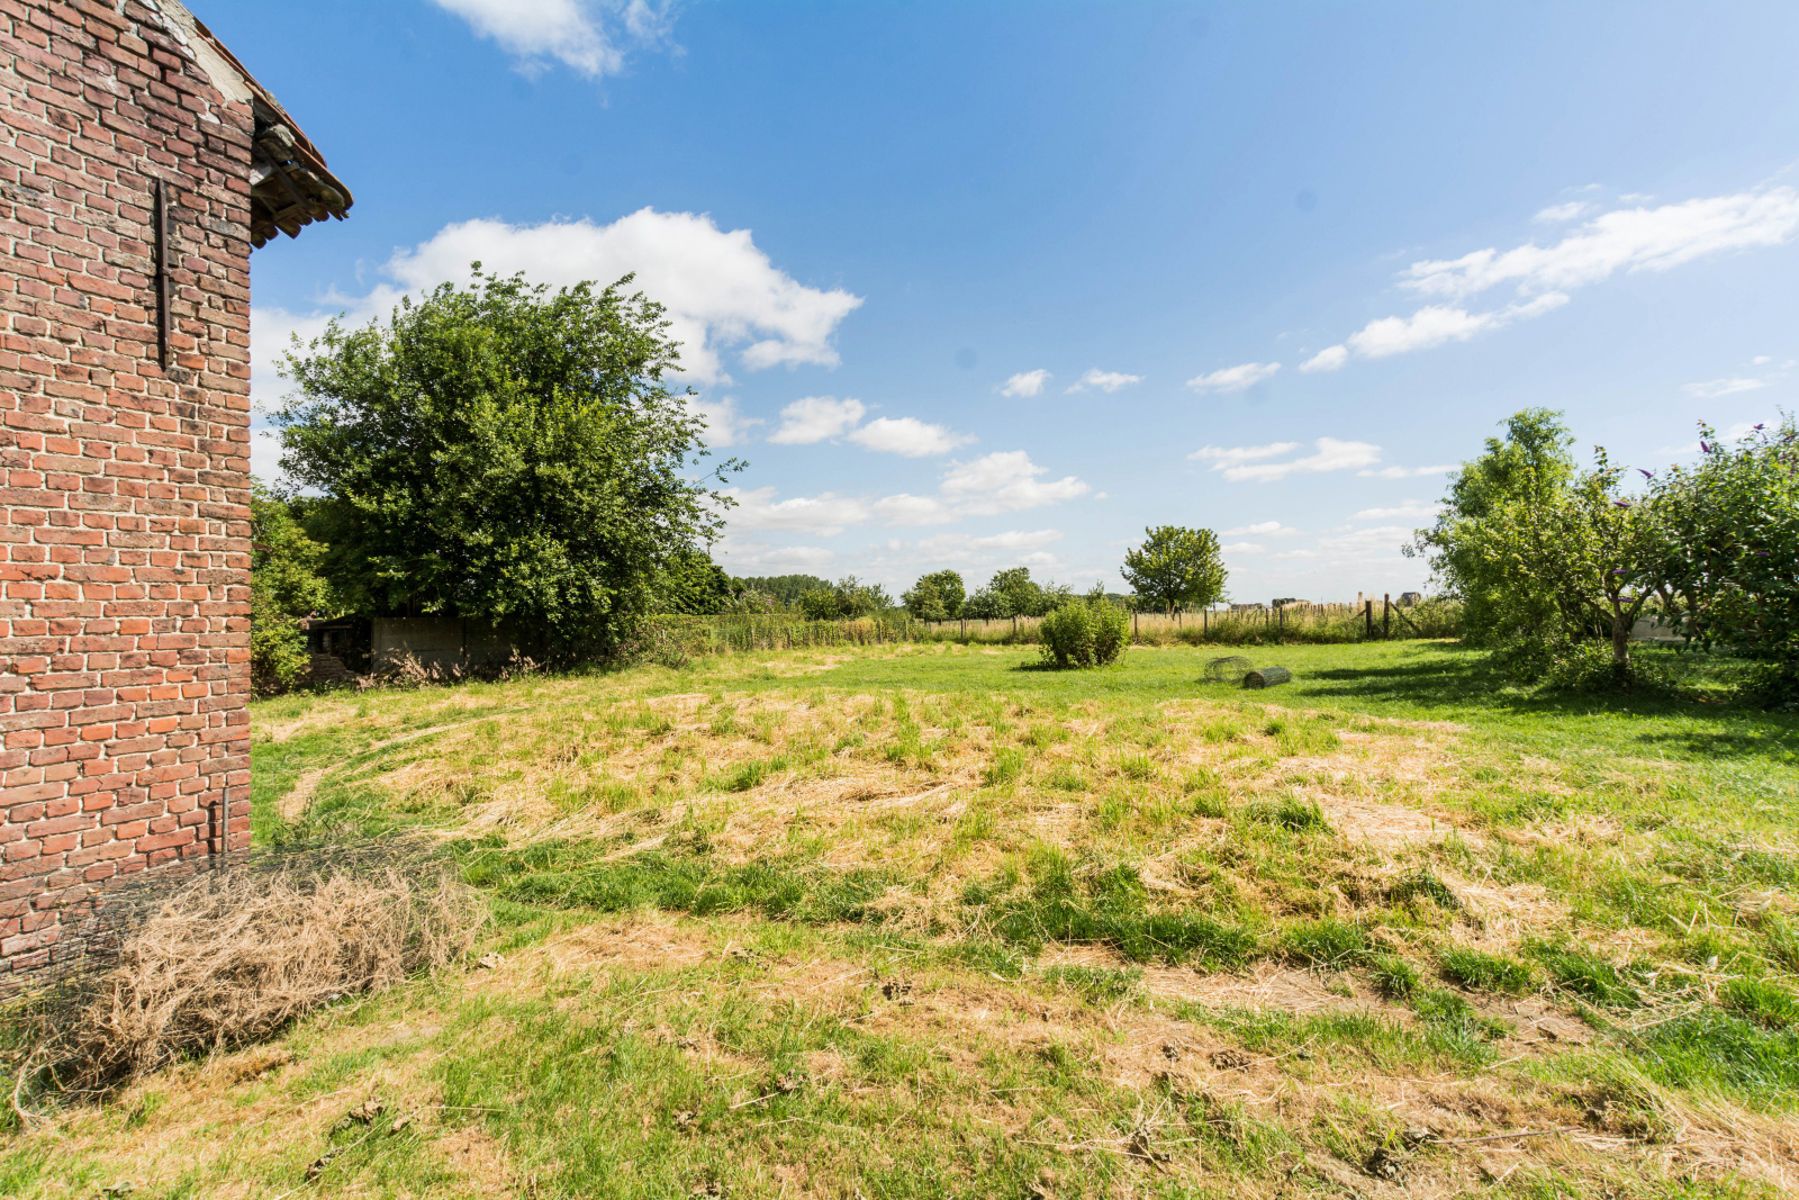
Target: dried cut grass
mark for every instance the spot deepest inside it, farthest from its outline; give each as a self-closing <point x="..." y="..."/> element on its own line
<point x="232" y="955"/>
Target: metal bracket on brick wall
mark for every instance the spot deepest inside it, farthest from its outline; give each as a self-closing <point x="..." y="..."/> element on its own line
<point x="165" y="248"/>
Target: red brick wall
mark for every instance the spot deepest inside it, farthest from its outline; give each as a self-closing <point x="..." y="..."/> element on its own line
<point x="124" y="520"/>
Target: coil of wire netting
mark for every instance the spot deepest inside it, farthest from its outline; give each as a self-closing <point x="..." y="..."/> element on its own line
<point x="1267" y="677"/>
<point x="1229" y="669"/>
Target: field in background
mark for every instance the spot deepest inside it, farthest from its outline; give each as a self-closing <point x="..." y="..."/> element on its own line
<point x="1319" y="623"/>
<point x="924" y="920"/>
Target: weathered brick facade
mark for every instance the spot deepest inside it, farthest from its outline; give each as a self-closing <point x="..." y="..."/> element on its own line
<point x="124" y="519"/>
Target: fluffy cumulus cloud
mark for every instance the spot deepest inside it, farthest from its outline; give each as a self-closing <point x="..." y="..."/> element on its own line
<point x="723" y="295"/>
<point x="821" y="516"/>
<point x="1407" y="510"/>
<point x="1251" y="464"/>
<point x="586" y="37"/>
<point x="1234" y="379"/>
<point x="908" y="437"/>
<point x="1103" y="381"/>
<point x="1025" y="384"/>
<point x="1432" y="325"/>
<point x="726" y="424"/>
<point x="1003" y="482"/>
<point x="742" y="557"/>
<point x="813" y="419"/>
<point x="1262" y="529"/>
<point x="1541" y="277"/>
<point x="1224" y="456"/>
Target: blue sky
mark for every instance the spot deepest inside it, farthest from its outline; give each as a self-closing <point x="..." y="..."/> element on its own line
<point x="975" y="285"/>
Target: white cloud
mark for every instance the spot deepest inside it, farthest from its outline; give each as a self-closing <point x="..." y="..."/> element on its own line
<point x="751" y="558"/>
<point x="1404" y="511"/>
<point x="1555" y="214"/>
<point x="1262" y="529"/>
<point x="1105" y="381"/>
<point x="1243" y="465"/>
<point x="822" y="515"/>
<point x="1005" y="481"/>
<point x="1234" y="379"/>
<point x="908" y="436"/>
<point x="726" y="424"/>
<point x="1623" y="240"/>
<point x="720" y="290"/>
<point x="1761" y="360"/>
<point x="575" y="33"/>
<point x="813" y="419"/>
<point x="265" y="455"/>
<point x="1626" y="239"/>
<point x="1711" y="389"/>
<point x="1406" y="472"/>
<point x="1328" y="359"/>
<point x="1224" y="456"/>
<point x="1242" y="548"/>
<point x="1025" y="384"/>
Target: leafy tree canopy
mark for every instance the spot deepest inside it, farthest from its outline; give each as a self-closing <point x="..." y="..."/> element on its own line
<point x="1177" y="568"/>
<point x="285" y="586"/>
<point x="786" y="589"/>
<point x="502" y="452"/>
<point x="843" y="600"/>
<point x="937" y="596"/>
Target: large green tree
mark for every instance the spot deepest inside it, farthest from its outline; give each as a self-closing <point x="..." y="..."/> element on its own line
<point x="937" y="596"/>
<point x="1529" y="465"/>
<point x="502" y="452"/>
<point x="1177" y="568"/>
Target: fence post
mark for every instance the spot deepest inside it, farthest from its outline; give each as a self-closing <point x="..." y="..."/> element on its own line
<point x="1014" y="627"/>
<point x="1386" y="615"/>
<point x="1135" y="635"/>
<point x="1368" y="618"/>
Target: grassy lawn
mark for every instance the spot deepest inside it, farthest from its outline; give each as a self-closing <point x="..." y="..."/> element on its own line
<point x="927" y="921"/>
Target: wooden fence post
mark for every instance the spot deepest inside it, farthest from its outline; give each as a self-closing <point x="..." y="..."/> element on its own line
<point x="1368" y="618"/>
<point x="1136" y="635"/>
<point x="1386" y="615"/>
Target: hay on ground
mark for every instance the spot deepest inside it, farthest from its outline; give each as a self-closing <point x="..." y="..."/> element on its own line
<point x="228" y="956"/>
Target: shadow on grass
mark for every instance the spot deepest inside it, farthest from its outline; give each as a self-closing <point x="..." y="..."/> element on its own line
<point x="1462" y="678"/>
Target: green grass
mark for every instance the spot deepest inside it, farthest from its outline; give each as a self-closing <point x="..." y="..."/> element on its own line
<point x="922" y="920"/>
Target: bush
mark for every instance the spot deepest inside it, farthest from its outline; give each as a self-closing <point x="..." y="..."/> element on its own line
<point x="1084" y="633"/>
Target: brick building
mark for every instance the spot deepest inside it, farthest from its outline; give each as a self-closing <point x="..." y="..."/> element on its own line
<point x="139" y="164"/>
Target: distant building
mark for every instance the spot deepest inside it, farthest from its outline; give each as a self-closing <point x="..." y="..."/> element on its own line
<point x="141" y="164"/>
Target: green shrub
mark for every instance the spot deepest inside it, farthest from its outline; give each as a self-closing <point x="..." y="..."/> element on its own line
<point x="1084" y="633"/>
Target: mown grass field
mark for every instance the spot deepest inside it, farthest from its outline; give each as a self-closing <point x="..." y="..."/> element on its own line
<point x="925" y="921"/>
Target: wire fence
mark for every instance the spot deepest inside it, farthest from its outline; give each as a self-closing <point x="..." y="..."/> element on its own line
<point x="1240" y="625"/>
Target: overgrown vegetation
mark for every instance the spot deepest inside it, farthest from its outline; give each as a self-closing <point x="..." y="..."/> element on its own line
<point x="1090" y="632"/>
<point x="504" y="453"/>
<point x="879" y="918"/>
<point x="1557" y="565"/>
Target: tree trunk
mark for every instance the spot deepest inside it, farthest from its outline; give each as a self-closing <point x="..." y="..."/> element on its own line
<point x="1620" y="648"/>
